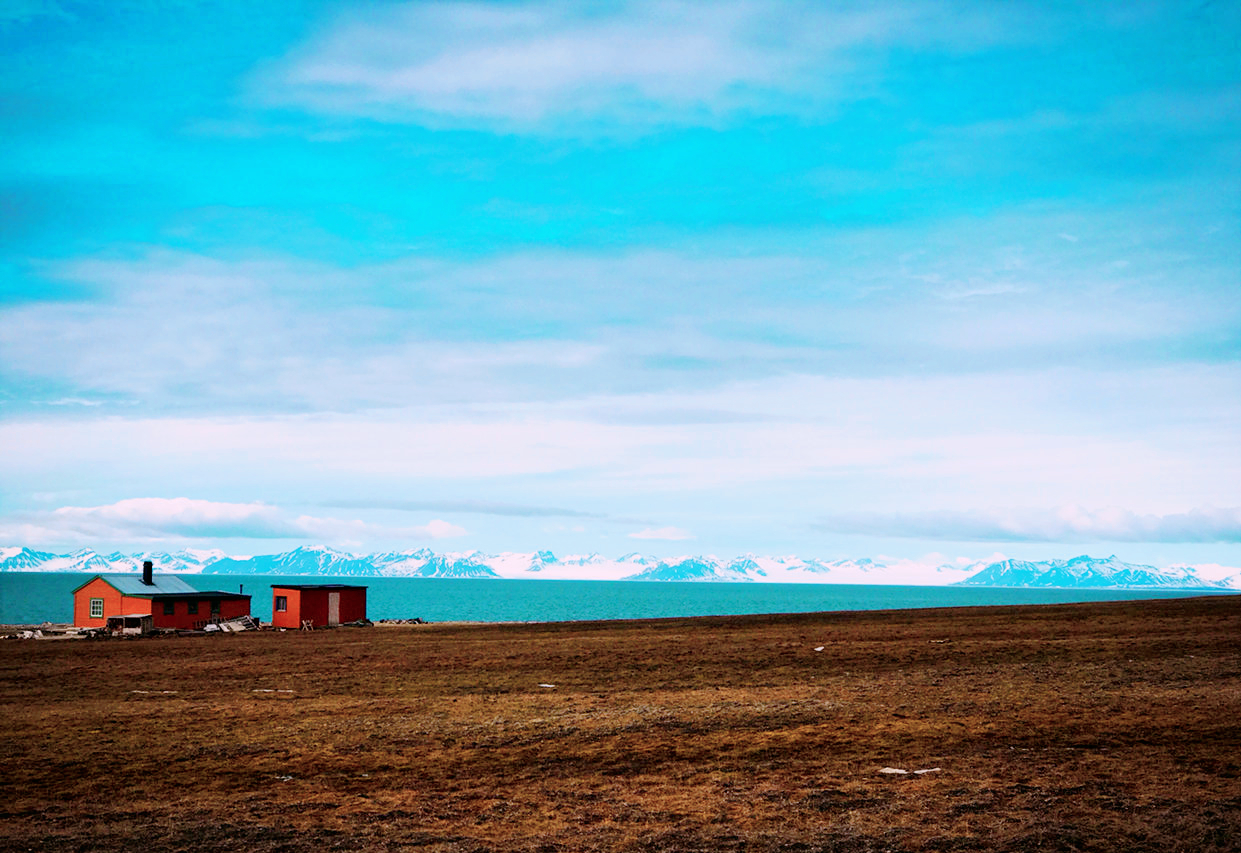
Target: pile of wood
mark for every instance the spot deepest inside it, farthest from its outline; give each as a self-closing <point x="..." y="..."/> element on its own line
<point x="234" y="626"/>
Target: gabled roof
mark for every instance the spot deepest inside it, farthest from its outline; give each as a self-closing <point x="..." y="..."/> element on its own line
<point x="133" y="585"/>
<point x="304" y="586"/>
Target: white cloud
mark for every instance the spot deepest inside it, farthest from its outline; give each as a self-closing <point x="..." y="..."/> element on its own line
<point x="439" y="529"/>
<point x="665" y="534"/>
<point x="1152" y="440"/>
<point x="193" y="333"/>
<point x="647" y="62"/>
<point x="147" y="517"/>
<point x="153" y="519"/>
<point x="1067" y="524"/>
<point x="24" y="11"/>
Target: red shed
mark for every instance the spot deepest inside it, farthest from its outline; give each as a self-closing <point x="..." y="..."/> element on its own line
<point x="320" y="604"/>
<point x="170" y="601"/>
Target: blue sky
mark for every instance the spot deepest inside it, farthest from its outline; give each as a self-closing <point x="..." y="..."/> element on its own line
<point x="827" y="279"/>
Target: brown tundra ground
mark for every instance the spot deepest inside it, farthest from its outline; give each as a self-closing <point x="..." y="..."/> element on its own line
<point x="1083" y="727"/>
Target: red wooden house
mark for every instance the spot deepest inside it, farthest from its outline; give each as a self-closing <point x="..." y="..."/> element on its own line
<point x="320" y="604"/>
<point x="170" y="601"/>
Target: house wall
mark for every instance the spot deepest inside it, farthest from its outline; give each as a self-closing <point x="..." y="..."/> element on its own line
<point x="114" y="604"/>
<point x="182" y="619"/>
<point x="312" y="604"/>
<point x="289" y="618"/>
<point x="352" y="605"/>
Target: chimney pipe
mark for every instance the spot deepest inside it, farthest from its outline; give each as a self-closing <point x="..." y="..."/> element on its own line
<point x="146" y="573"/>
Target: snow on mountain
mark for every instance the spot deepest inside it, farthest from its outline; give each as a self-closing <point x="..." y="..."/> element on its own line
<point x="203" y="557"/>
<point x="1087" y="572"/>
<point x="748" y="567"/>
<point x="1081" y="572"/>
<point x="24" y="560"/>
<point x="692" y="569"/>
<point x="536" y="562"/>
<point x="1228" y="577"/>
<point x="185" y="562"/>
<point x="308" y="560"/>
<point x="82" y="560"/>
<point x="400" y="563"/>
<point x="454" y="566"/>
<point x="545" y="565"/>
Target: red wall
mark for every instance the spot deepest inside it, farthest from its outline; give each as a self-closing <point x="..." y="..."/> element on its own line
<point x="352" y="605"/>
<point x="288" y="618"/>
<point x="114" y="604"/>
<point x="312" y="604"/>
<point x="182" y="619"/>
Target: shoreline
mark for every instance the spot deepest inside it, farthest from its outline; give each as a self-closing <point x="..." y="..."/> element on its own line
<point x="29" y="598"/>
<point x="784" y="617"/>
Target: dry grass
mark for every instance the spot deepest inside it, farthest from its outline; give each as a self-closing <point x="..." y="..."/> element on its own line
<point x="1075" y="727"/>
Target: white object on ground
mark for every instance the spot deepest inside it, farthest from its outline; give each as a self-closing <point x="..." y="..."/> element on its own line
<point x="818" y="648"/>
<point x="928" y="770"/>
<point x="547" y="685"/>
<point x="894" y="771"/>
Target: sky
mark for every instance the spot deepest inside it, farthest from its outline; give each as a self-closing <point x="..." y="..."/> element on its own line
<point x="827" y="279"/>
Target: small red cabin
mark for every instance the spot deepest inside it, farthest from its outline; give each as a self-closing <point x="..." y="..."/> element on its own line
<point x="170" y="601"/>
<point x="320" y="604"/>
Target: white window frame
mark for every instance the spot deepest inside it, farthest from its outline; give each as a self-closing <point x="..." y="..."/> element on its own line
<point x="282" y="604"/>
<point x="96" y="608"/>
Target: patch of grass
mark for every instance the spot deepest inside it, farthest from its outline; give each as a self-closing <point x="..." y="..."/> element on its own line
<point x="1074" y="727"/>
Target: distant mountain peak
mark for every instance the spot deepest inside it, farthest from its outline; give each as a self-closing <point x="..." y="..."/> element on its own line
<point x="1085" y="572"/>
<point x="1081" y="571"/>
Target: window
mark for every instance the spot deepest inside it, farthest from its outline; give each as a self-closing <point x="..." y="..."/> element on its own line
<point x="170" y="607"/>
<point x="282" y="603"/>
<point x="191" y="607"/>
<point x="215" y="607"/>
<point x="96" y="608"/>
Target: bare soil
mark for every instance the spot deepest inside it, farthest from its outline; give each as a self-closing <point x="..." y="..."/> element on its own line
<point x="1089" y="727"/>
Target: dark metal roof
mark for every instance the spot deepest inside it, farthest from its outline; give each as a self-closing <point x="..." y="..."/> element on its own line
<point x="316" y="586"/>
<point x="200" y="596"/>
<point x="132" y="585"/>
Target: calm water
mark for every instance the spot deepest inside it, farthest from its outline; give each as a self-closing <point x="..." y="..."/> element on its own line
<point x="33" y="597"/>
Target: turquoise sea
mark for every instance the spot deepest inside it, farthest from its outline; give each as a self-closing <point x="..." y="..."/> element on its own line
<point x="34" y="597"/>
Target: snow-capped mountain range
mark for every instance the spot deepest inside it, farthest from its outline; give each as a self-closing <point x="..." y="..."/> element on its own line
<point x="1078" y="572"/>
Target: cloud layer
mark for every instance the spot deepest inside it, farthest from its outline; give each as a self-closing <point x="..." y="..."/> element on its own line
<point x="1068" y="524"/>
<point x="154" y="519"/>
<point x="193" y="332"/>
<point x="631" y="265"/>
<point x="663" y="534"/>
<point x="473" y="507"/>
<point x="663" y="61"/>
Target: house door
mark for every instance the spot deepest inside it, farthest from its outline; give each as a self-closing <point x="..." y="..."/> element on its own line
<point x="333" y="608"/>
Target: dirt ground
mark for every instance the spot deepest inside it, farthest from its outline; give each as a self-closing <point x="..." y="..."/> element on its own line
<point x="1071" y="727"/>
